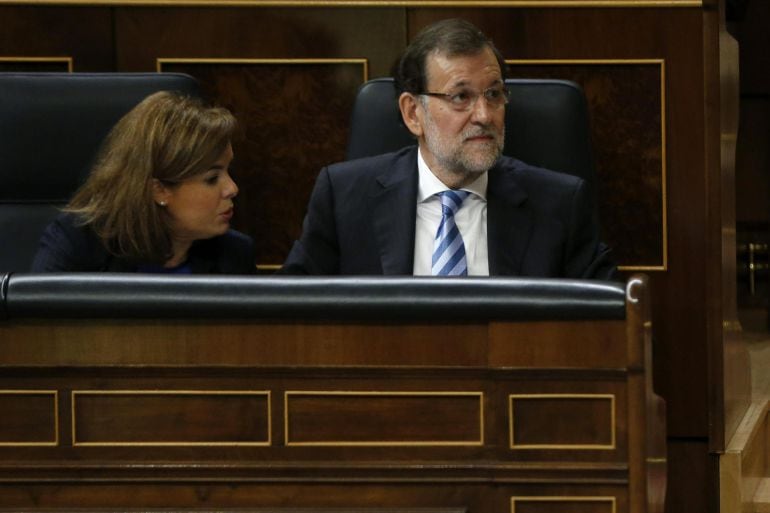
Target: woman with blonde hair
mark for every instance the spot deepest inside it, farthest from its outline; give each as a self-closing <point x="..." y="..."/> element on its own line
<point x="159" y="197"/>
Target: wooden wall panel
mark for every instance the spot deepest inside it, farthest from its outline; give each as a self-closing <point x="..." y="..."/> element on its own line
<point x="49" y="32"/>
<point x="147" y="418"/>
<point x="693" y="484"/>
<point x="752" y="175"/>
<point x="346" y="418"/>
<point x="686" y="312"/>
<point x="674" y="36"/>
<point x="144" y="34"/>
<point x="275" y="168"/>
<point x="36" y="64"/>
<point x="625" y="101"/>
<point x="592" y="421"/>
<point x="576" y="504"/>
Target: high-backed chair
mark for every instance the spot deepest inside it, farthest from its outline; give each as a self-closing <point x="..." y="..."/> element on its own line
<point x="546" y="124"/>
<point x="51" y="126"/>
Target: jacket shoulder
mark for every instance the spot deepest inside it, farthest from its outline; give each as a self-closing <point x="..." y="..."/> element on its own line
<point x="68" y="244"/>
<point x="528" y="174"/>
<point x="373" y="165"/>
<point x="233" y="253"/>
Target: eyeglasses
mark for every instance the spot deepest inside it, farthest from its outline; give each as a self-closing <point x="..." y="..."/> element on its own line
<point x="465" y="100"/>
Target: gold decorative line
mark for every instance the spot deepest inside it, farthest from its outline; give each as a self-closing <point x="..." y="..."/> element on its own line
<point x="374" y="3"/>
<point x="171" y="444"/>
<point x="326" y="393"/>
<point x="265" y="393"/>
<point x="385" y="443"/>
<point x="640" y="268"/>
<point x="565" y="498"/>
<point x="67" y="60"/>
<point x="558" y="62"/>
<point x="663" y="171"/>
<point x="515" y="446"/>
<point x="656" y="460"/>
<point x="663" y="156"/>
<point x="55" y="394"/>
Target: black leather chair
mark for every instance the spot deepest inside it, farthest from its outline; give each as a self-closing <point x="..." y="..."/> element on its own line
<point x="51" y="125"/>
<point x="546" y="124"/>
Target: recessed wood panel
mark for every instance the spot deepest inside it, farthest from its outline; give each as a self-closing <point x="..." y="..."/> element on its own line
<point x="626" y="106"/>
<point x="172" y="417"/>
<point x="384" y="418"/>
<point x="563" y="505"/>
<point x="585" y="421"/>
<point x="583" y="344"/>
<point x="294" y="117"/>
<point x="28" y="417"/>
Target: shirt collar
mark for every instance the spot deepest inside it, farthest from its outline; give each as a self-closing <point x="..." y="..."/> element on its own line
<point x="429" y="184"/>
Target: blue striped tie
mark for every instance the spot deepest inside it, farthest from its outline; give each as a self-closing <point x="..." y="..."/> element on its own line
<point x="449" y="250"/>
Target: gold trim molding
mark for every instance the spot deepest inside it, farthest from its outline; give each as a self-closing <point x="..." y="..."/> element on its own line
<point x="265" y="393"/>
<point x="372" y="3"/>
<point x="472" y="443"/>
<point x="563" y="498"/>
<point x="544" y="447"/>
<point x="66" y="60"/>
<point x="663" y="171"/>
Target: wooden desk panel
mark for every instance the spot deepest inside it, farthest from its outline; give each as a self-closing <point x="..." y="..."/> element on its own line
<point x="483" y="416"/>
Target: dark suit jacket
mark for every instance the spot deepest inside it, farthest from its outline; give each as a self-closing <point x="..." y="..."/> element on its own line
<point x="362" y="213"/>
<point x="66" y="245"/>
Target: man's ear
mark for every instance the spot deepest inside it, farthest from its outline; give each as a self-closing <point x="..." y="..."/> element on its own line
<point x="411" y="113"/>
<point x="160" y="193"/>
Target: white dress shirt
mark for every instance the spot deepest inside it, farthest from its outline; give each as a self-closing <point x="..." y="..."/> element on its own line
<point x="471" y="220"/>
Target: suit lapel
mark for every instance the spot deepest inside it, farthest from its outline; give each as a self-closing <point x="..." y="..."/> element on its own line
<point x="394" y="215"/>
<point x="509" y="222"/>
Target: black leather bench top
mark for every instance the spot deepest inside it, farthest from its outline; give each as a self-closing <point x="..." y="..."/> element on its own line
<point x="105" y="295"/>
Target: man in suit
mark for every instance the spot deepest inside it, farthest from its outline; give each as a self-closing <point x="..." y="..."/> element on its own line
<point x="453" y="205"/>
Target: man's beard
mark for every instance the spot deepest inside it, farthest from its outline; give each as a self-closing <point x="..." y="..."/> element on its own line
<point x="459" y="160"/>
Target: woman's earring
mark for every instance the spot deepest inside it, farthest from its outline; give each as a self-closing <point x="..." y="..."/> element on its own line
<point x="162" y="203"/>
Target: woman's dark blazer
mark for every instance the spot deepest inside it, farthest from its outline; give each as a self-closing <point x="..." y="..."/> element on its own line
<point x="67" y="245"/>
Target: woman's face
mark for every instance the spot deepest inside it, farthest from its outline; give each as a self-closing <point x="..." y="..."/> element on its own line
<point x="201" y="206"/>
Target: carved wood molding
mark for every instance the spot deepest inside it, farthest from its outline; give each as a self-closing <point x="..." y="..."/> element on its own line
<point x="373" y="3"/>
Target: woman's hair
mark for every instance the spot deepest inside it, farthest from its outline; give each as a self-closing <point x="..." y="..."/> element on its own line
<point x="169" y="137"/>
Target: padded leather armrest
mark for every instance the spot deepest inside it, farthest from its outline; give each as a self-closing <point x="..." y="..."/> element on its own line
<point x="4" y="277"/>
<point x="105" y="295"/>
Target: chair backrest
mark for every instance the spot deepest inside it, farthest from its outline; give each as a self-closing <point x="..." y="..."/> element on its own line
<point x="51" y="126"/>
<point x="546" y="124"/>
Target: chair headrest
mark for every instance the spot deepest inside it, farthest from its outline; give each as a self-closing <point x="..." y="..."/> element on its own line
<point x="53" y="124"/>
<point x="546" y="124"/>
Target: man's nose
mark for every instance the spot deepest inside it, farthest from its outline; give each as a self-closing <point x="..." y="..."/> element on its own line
<point x="481" y="112"/>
